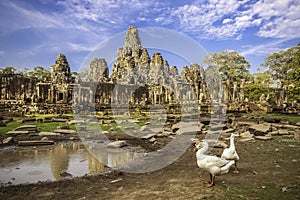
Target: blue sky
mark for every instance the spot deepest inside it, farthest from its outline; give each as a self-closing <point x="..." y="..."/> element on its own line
<point x="33" y="33"/>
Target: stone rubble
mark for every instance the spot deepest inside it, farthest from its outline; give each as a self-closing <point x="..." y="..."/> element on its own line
<point x="260" y="129"/>
<point x="247" y="132"/>
<point x="43" y="133"/>
<point x="7" y="140"/>
<point x="117" y="144"/>
<point x="29" y="128"/>
<point x="64" y="131"/>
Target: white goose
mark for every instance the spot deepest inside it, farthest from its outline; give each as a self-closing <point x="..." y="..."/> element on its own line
<point x="230" y="153"/>
<point x="214" y="165"/>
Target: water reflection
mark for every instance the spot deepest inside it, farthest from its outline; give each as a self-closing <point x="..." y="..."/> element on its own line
<point x="114" y="157"/>
<point x="59" y="158"/>
<point x="30" y="164"/>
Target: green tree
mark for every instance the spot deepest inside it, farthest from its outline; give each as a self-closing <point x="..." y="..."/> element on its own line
<point x="254" y="91"/>
<point x="294" y="73"/>
<point x="230" y="64"/>
<point x="8" y="70"/>
<point x="262" y="78"/>
<point x="40" y="73"/>
<point x="284" y="67"/>
<point x="261" y="83"/>
<point x="25" y="71"/>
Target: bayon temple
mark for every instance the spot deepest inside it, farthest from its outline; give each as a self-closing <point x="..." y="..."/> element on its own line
<point x="137" y="80"/>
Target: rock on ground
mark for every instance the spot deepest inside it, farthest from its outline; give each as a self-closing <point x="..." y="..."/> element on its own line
<point x="260" y="129"/>
<point x="148" y="136"/>
<point x="264" y="137"/>
<point x="30" y="128"/>
<point x="8" y="140"/>
<point x="64" y="131"/>
<point x="48" y="134"/>
<point x="117" y="144"/>
<point x="17" y="132"/>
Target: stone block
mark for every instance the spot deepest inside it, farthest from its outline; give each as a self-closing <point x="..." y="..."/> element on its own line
<point x="64" y="131"/>
<point x="30" y="128"/>
<point x="44" y="133"/>
<point x="17" y="132"/>
<point x="264" y="137"/>
<point x="283" y="132"/>
<point x="117" y="144"/>
<point x="8" y="140"/>
<point x="260" y="129"/>
<point x="148" y="136"/>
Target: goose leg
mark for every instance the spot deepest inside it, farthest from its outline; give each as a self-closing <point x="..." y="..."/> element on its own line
<point x="235" y="168"/>
<point x="210" y="176"/>
<point x="212" y="183"/>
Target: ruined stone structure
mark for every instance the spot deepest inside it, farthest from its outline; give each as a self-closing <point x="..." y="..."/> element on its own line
<point x="98" y="71"/>
<point x="61" y="88"/>
<point x="137" y="79"/>
<point x="61" y="71"/>
<point x="23" y="94"/>
<point x="16" y="87"/>
<point x="156" y="82"/>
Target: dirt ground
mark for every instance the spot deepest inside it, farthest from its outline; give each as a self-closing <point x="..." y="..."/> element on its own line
<point x="268" y="170"/>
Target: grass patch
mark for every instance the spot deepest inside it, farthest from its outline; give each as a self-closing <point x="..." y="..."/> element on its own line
<point x="41" y="116"/>
<point x="291" y="118"/>
<point x="9" y="127"/>
<point x="48" y="126"/>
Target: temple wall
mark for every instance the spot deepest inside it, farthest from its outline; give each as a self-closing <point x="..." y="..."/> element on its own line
<point x="17" y="87"/>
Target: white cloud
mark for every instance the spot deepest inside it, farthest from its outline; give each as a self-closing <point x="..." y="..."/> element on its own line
<point x="57" y="28"/>
<point x="280" y="28"/>
<point x="263" y="49"/>
<point x="78" y="47"/>
<point x="228" y="19"/>
<point x="243" y="21"/>
<point x="98" y="19"/>
<point x="278" y="19"/>
<point x="211" y="18"/>
<point x="23" y="18"/>
<point x="286" y="24"/>
<point x="256" y="22"/>
<point x="108" y="12"/>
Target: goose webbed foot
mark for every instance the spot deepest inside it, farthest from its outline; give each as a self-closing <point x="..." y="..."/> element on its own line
<point x="209" y="185"/>
<point x="235" y="171"/>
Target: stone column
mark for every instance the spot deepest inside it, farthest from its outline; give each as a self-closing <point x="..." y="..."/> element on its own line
<point x="234" y="91"/>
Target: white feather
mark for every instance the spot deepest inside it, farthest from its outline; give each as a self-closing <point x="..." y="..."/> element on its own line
<point x="230" y="153"/>
<point x="213" y="164"/>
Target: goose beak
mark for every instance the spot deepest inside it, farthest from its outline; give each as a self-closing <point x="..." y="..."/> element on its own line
<point x="195" y="149"/>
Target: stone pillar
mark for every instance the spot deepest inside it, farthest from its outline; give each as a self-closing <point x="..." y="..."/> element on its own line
<point x="242" y="95"/>
<point x="234" y="91"/>
<point x="225" y="90"/>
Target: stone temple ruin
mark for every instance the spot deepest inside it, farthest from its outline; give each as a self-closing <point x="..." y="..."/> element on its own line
<point x="137" y="80"/>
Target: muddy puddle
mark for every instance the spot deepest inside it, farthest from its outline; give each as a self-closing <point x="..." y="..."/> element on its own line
<point x="19" y="165"/>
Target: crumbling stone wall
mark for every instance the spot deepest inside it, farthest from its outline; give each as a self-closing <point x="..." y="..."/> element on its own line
<point x="17" y="87"/>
